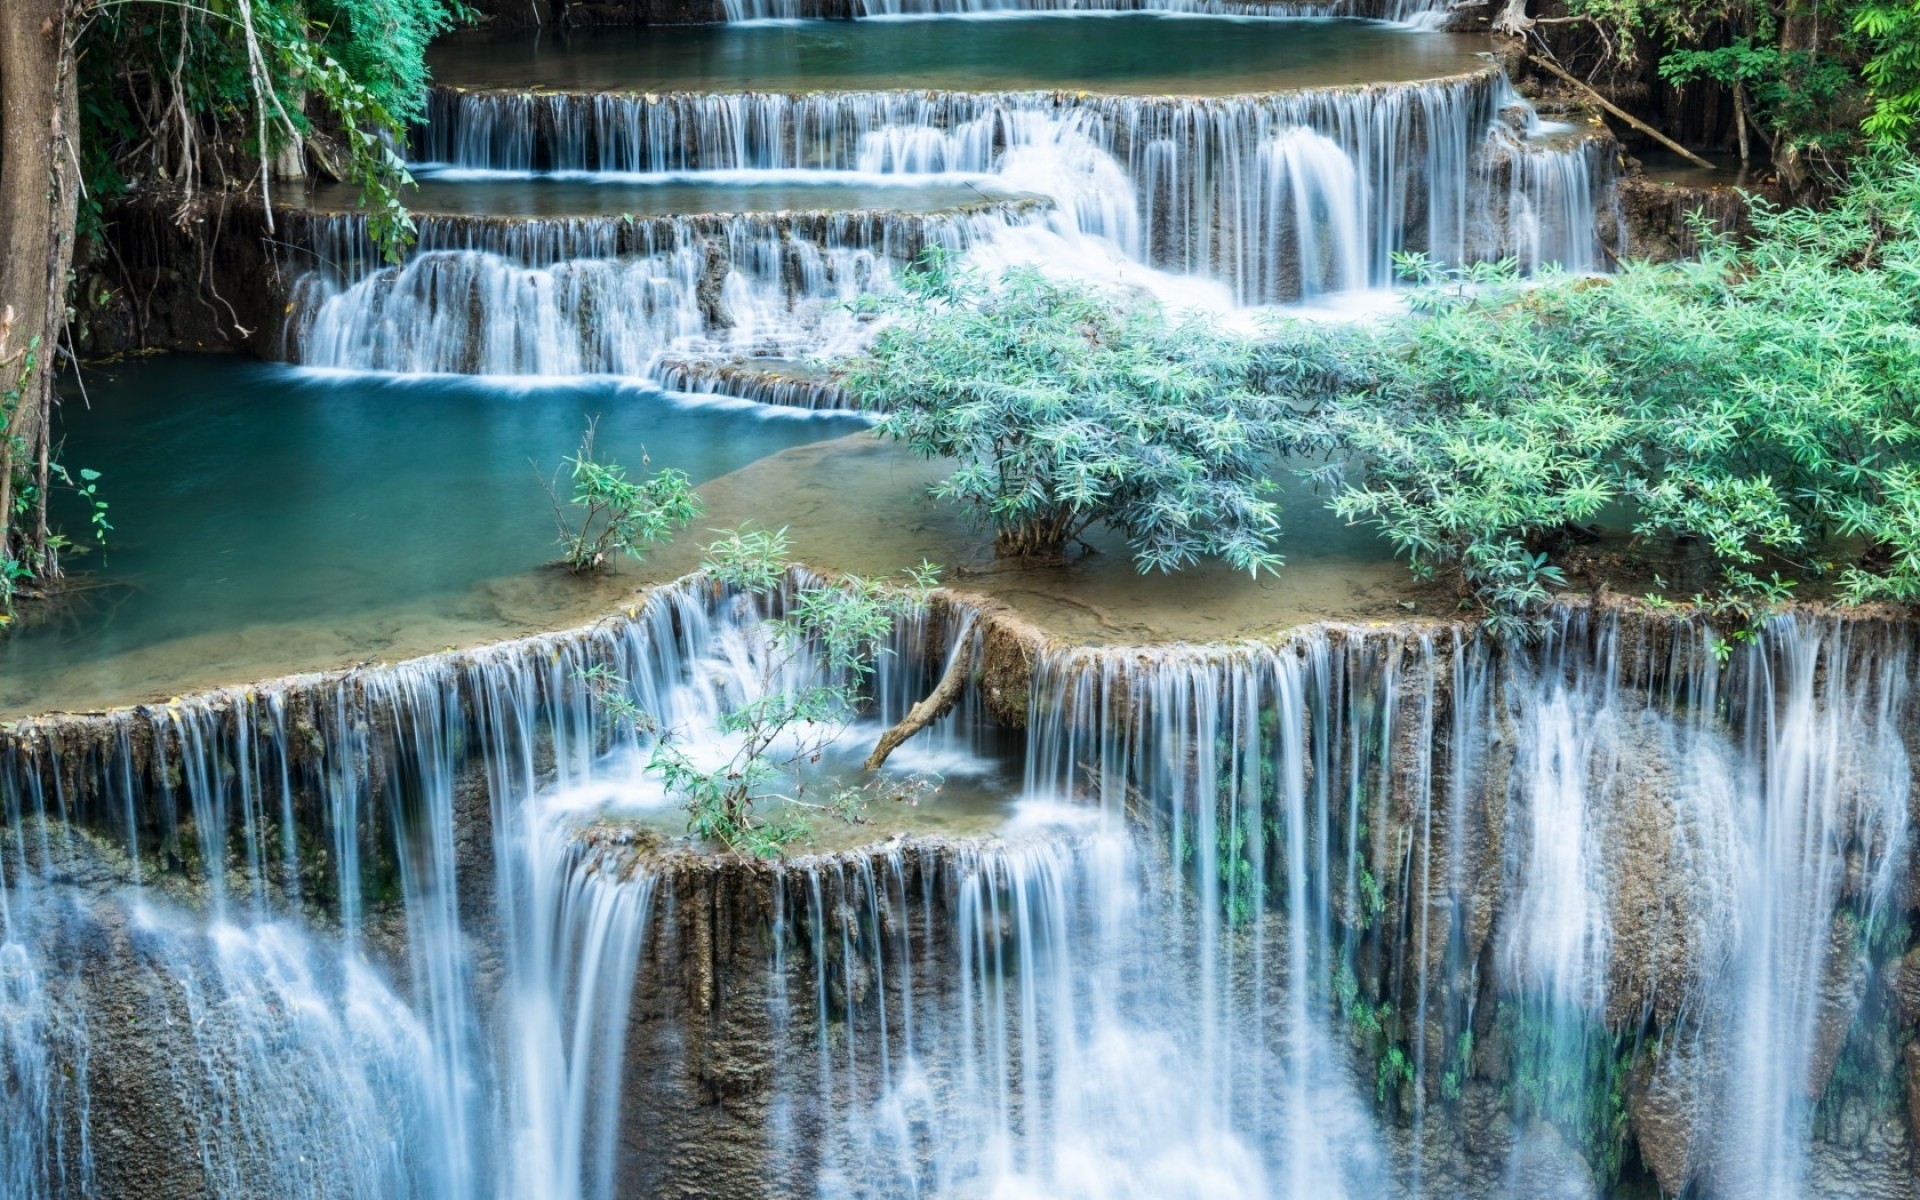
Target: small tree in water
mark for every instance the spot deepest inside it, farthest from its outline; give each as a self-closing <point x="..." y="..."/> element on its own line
<point x="616" y="514"/>
<point x="1067" y="410"/>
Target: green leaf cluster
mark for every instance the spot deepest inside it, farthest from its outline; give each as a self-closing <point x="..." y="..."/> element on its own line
<point x="1759" y="401"/>
<point x="1891" y="31"/>
<point x="616" y="514"/>
<point x="1065" y="411"/>
<point x="1807" y="77"/>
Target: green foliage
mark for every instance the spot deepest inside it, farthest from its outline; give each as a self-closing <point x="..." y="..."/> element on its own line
<point x="783" y="728"/>
<point x="15" y="572"/>
<point x="609" y="690"/>
<point x="1066" y="411"/>
<point x="1758" y="403"/>
<point x="1373" y="902"/>
<point x="1575" y="1078"/>
<point x="165" y="82"/>
<point x="1891" y="32"/>
<point x="616" y="514"/>
<point x="26" y="558"/>
<point x="1459" y="1068"/>
<point x="87" y="489"/>
<point x="1801" y="82"/>
<point x="1395" y="1070"/>
<point x="1243" y="893"/>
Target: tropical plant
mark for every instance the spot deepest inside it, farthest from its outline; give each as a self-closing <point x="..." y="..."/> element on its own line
<point x="1758" y="402"/>
<point x="815" y="660"/>
<point x="1891" y="31"/>
<point x="1066" y="410"/>
<point x="616" y="514"/>
<point x="164" y="82"/>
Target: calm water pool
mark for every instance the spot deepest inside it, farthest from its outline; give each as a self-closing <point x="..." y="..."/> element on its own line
<point x="249" y="494"/>
<point x="1135" y="53"/>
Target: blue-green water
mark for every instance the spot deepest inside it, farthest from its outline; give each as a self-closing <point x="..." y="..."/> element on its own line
<point x="249" y="494"/>
<point x="1131" y="53"/>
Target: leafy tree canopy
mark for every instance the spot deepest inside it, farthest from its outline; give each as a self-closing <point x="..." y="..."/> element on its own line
<point x="169" y="89"/>
<point x="1758" y="405"/>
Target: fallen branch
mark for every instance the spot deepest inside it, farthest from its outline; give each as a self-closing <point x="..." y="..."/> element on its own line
<point x="945" y="694"/>
<point x="1561" y="72"/>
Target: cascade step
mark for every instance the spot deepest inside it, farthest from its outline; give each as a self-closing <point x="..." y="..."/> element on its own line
<point x="1264" y="196"/>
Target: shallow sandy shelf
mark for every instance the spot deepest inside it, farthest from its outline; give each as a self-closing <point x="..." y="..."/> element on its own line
<point x="854" y="504"/>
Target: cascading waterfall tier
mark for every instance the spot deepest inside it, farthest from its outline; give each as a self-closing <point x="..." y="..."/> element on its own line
<point x="247" y="929"/>
<point x="1358" y="912"/>
<point x="1223" y="202"/>
<point x="761" y="382"/>
<point x="606" y="295"/>
<point x="1278" y="195"/>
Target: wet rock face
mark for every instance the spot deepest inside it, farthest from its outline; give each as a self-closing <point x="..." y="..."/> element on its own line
<point x="1659" y="218"/>
<point x="726" y="1036"/>
<point x="1669" y="914"/>
<point x="205" y="278"/>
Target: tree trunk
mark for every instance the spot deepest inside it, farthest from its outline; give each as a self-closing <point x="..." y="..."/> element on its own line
<point x="39" y="195"/>
<point x="1041" y="541"/>
<point x="1512" y="19"/>
<point x="1800" y="34"/>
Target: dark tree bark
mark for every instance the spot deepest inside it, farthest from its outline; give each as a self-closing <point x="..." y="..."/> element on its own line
<point x="39" y="196"/>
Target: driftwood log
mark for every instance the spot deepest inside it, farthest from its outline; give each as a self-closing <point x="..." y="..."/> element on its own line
<point x="943" y="697"/>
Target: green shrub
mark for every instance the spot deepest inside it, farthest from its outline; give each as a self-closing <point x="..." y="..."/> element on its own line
<point x="1066" y="410"/>
<point x="1760" y="400"/>
<point x="616" y="514"/>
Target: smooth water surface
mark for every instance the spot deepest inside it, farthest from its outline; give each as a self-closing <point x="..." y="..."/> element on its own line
<point x="484" y="193"/>
<point x="1133" y="53"/>
<point x="245" y="494"/>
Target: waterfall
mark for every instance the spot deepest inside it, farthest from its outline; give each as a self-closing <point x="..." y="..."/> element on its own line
<point x="1223" y="203"/>
<point x="1822" y="826"/>
<point x="753" y="383"/>
<point x="413" y="1051"/>
<point x="1281" y="920"/>
<point x="1222" y="187"/>
<point x="610" y="296"/>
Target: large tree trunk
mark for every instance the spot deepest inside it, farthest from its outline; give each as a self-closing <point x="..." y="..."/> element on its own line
<point x="1803" y="31"/>
<point x="39" y="195"/>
